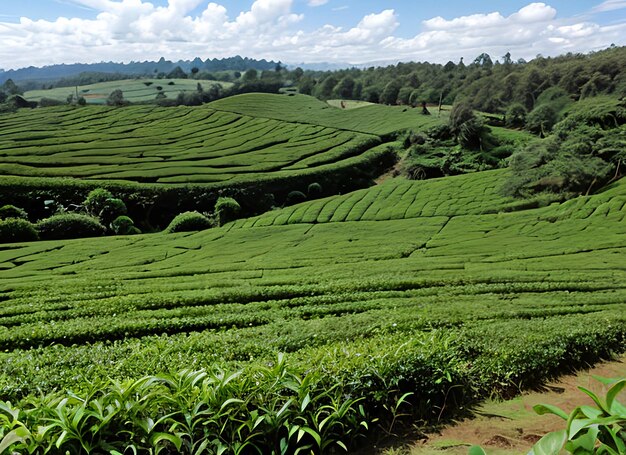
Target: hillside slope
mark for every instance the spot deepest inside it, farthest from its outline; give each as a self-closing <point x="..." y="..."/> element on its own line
<point x="511" y="281"/>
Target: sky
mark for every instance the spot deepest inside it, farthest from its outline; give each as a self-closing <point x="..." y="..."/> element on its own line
<point x="45" y="32"/>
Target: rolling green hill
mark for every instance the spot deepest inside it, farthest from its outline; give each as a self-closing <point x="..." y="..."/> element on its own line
<point x="135" y="90"/>
<point x="248" y="136"/>
<point x="422" y="296"/>
<point x="546" y="285"/>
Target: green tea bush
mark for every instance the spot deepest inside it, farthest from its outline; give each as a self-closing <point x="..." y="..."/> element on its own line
<point x="226" y="209"/>
<point x="295" y="197"/>
<point x="314" y="190"/>
<point x="11" y="211"/>
<point x="189" y="221"/>
<point x="590" y="430"/>
<point x="17" y="230"/>
<point x="123" y="225"/>
<point x="69" y="226"/>
<point x="101" y="204"/>
<point x="96" y="200"/>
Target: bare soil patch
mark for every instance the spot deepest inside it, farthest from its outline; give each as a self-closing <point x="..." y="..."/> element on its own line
<point x="512" y="427"/>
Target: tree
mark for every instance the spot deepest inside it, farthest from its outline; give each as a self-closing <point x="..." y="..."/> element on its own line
<point x="484" y="61"/>
<point x="345" y="88"/>
<point x="116" y="98"/>
<point x="507" y="60"/>
<point x="195" y="70"/>
<point x="541" y="119"/>
<point x="298" y="73"/>
<point x="390" y="93"/>
<point x="325" y="88"/>
<point x="177" y="73"/>
<point x="516" y="115"/>
<point x="11" y="88"/>
<point x="250" y="76"/>
<point x="306" y="85"/>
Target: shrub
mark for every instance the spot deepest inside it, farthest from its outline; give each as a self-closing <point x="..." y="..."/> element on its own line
<point x="116" y="98"/>
<point x="189" y="221"/>
<point x="101" y="203"/>
<point x="295" y="197"/>
<point x="123" y="225"/>
<point x="516" y="115"/>
<point x="541" y="119"/>
<point x="17" y="230"/>
<point x="314" y="190"/>
<point x="226" y="210"/>
<point x="69" y="226"/>
<point x="10" y="211"/>
<point x="96" y="200"/>
<point x="112" y="209"/>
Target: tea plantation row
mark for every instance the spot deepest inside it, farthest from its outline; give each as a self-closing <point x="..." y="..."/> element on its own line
<point x="124" y="306"/>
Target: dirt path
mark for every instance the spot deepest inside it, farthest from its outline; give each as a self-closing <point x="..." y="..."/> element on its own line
<point x="512" y="427"/>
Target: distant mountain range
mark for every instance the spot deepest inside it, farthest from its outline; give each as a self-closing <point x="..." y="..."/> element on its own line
<point x="54" y="72"/>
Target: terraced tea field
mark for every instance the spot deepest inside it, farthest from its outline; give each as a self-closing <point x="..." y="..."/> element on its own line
<point x="173" y="145"/>
<point x="518" y="295"/>
<point x="331" y="310"/>
<point x="212" y="144"/>
<point x="135" y="90"/>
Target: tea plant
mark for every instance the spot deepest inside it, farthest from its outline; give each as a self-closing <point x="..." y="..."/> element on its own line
<point x="597" y="430"/>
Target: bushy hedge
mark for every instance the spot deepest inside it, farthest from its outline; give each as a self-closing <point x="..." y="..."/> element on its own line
<point x="295" y="197"/>
<point x="123" y="225"/>
<point x="226" y="209"/>
<point x="17" y="230"/>
<point x="69" y="226"/>
<point x="189" y="221"/>
<point x="11" y="211"/>
<point x="153" y="206"/>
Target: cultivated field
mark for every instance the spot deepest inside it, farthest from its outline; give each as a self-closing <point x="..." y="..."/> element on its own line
<point x="307" y="326"/>
<point x="135" y="90"/>
<point x="244" y="137"/>
<point x="502" y="299"/>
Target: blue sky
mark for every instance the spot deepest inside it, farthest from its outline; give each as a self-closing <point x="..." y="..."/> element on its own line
<point x="302" y="30"/>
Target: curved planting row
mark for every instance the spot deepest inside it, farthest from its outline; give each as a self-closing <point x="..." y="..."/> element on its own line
<point x="166" y="145"/>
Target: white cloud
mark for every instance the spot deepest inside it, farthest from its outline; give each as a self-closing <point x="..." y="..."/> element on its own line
<point x="317" y="2"/>
<point x="609" y="5"/>
<point x="124" y="30"/>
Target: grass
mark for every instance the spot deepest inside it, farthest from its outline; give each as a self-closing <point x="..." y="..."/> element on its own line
<point x="374" y="119"/>
<point x="349" y="104"/>
<point x="135" y="90"/>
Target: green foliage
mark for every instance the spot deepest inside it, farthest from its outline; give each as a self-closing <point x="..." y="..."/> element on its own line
<point x="123" y="225"/>
<point x="69" y="226"/>
<point x="101" y="204"/>
<point x="487" y="86"/>
<point x="11" y="211"/>
<point x="541" y="119"/>
<point x="226" y="210"/>
<point x="590" y="430"/>
<point x="516" y="115"/>
<point x="314" y="190"/>
<point x="295" y="197"/>
<point x="14" y="230"/>
<point x="116" y="98"/>
<point x="271" y="410"/>
<point x="584" y="152"/>
<point x="189" y="221"/>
